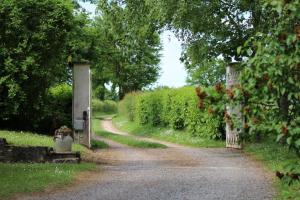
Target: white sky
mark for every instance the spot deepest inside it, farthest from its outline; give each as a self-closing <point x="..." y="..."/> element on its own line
<point x="173" y="73"/>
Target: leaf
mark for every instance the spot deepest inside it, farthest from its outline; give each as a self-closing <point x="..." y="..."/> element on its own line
<point x="297" y="143"/>
<point x="239" y="49"/>
<point x="279" y="137"/>
<point x="289" y="140"/>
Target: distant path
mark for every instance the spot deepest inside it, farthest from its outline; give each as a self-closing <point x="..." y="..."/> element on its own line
<point x="175" y="173"/>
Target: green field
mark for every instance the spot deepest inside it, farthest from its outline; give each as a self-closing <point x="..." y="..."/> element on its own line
<point x="166" y="134"/>
<point x="24" y="178"/>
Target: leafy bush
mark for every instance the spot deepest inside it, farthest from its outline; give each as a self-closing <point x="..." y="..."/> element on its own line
<point x="128" y="106"/>
<point x="58" y="109"/>
<point x="107" y="106"/>
<point x="32" y="57"/>
<point x="176" y="108"/>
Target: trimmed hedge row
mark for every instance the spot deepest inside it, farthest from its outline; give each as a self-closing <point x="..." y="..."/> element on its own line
<point x="175" y="108"/>
<point x="106" y="106"/>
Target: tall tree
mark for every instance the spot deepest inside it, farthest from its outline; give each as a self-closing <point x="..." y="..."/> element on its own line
<point x="130" y="45"/>
<point x="33" y="37"/>
<point x="211" y="31"/>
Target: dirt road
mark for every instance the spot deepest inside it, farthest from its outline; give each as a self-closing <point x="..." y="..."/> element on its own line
<point x="174" y="173"/>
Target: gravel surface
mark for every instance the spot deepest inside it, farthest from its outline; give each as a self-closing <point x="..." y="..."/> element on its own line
<point x="174" y="173"/>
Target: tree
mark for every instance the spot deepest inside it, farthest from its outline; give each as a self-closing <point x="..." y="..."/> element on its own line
<point x="33" y="37"/>
<point x="130" y="46"/>
<point x="212" y="30"/>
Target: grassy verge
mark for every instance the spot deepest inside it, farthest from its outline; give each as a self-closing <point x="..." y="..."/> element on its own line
<point x="24" y="178"/>
<point x="32" y="139"/>
<point x="127" y="140"/>
<point x="275" y="157"/>
<point x="20" y="178"/>
<point x="166" y="134"/>
<point x="96" y="144"/>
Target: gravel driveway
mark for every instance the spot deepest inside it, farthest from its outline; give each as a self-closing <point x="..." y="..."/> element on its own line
<point x="174" y="173"/>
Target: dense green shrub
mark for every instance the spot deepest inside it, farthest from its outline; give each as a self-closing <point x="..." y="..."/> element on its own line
<point x="176" y="108"/>
<point x="107" y="106"/>
<point x="128" y="106"/>
<point x="33" y="40"/>
<point x="58" y="109"/>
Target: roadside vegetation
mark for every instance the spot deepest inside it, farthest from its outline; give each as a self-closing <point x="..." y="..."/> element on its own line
<point x="28" y="177"/>
<point x="277" y="158"/>
<point x="96" y="144"/>
<point x="127" y="140"/>
<point x="165" y="134"/>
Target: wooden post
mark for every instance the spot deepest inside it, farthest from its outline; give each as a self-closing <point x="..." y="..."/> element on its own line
<point x="233" y="132"/>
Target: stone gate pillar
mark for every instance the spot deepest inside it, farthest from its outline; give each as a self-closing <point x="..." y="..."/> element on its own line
<point x="233" y="133"/>
<point x="81" y="106"/>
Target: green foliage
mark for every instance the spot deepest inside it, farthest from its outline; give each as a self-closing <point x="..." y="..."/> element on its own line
<point x="106" y="106"/>
<point x="181" y="137"/>
<point x="175" y="108"/>
<point x="211" y="31"/>
<point x="96" y="144"/>
<point x="127" y="48"/>
<point x="278" y="158"/>
<point x="33" y="37"/>
<point x="57" y="110"/>
<point x="271" y="77"/>
<point x="127" y="140"/>
<point x="128" y="106"/>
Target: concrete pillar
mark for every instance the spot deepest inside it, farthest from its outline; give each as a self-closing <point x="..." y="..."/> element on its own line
<point x="82" y="103"/>
<point x="233" y="132"/>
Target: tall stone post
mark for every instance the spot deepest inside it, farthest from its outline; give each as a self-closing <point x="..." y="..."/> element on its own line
<point x="233" y="132"/>
<point x="81" y="108"/>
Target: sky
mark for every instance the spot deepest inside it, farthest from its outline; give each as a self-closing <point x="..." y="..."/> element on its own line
<point x="172" y="73"/>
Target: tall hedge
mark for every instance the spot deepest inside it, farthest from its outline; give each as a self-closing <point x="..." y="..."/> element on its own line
<point x="174" y="108"/>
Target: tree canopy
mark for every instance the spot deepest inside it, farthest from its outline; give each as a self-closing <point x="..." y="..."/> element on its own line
<point x="33" y="37"/>
<point x="129" y="46"/>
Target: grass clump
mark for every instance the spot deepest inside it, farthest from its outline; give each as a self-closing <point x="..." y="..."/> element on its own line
<point x="166" y="134"/>
<point x="96" y="144"/>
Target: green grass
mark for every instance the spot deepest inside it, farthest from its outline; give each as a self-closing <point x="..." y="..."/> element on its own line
<point x="166" y="134"/>
<point x="23" y="178"/>
<point x="127" y="140"/>
<point x="32" y="139"/>
<point x="96" y="144"/>
<point x="130" y="141"/>
<point x="275" y="157"/>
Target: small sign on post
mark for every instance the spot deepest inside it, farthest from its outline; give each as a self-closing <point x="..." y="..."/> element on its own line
<point x="82" y="103"/>
<point x="233" y="132"/>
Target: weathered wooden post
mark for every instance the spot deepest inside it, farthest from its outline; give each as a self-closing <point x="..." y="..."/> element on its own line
<point x="233" y="132"/>
<point x="81" y="107"/>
